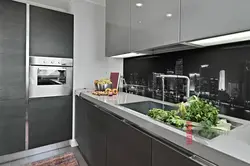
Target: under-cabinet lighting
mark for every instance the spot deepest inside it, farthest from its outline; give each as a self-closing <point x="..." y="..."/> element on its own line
<point x="128" y="55"/>
<point x="231" y="38"/>
<point x="204" y="66"/>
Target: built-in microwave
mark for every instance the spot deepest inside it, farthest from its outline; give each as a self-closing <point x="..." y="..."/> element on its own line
<point x="50" y="77"/>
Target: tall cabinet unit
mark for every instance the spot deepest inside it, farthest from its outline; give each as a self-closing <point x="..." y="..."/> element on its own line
<point x="50" y="118"/>
<point x="51" y="34"/>
<point x="154" y="23"/>
<point x="117" y="27"/>
<point x="202" y="19"/>
<point x="12" y="76"/>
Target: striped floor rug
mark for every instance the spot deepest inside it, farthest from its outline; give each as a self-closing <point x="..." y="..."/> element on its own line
<point x="67" y="159"/>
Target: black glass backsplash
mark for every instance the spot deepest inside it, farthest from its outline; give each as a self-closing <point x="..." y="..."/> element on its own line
<point x="220" y="74"/>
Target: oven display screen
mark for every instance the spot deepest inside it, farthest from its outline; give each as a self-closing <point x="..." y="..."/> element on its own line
<point x="51" y="76"/>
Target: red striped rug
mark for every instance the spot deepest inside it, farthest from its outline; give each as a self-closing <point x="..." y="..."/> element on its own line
<point x="67" y="159"/>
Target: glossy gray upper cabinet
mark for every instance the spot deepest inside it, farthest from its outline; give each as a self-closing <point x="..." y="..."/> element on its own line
<point x="201" y="19"/>
<point x="117" y="27"/>
<point x="154" y="23"/>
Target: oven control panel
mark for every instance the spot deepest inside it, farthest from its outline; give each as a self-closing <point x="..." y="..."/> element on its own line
<point x="50" y="61"/>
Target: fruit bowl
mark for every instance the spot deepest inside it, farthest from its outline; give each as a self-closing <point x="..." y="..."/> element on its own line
<point x="102" y="84"/>
<point x="103" y="87"/>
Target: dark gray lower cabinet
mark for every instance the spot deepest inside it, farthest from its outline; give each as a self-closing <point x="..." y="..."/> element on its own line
<point x="91" y="132"/>
<point x="81" y="124"/>
<point x="127" y="146"/>
<point x="50" y="120"/>
<point x="12" y="126"/>
<point x="107" y="140"/>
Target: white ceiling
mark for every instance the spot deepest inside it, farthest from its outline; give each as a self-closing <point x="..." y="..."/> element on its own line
<point x="61" y="4"/>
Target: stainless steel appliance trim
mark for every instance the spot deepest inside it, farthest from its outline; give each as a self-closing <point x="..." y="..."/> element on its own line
<point x="52" y="67"/>
<point x="27" y="73"/>
<point x="50" y="61"/>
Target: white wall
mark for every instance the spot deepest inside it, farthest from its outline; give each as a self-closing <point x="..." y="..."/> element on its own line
<point x="90" y="62"/>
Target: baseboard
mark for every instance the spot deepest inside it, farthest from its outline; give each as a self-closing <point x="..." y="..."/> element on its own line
<point x="73" y="143"/>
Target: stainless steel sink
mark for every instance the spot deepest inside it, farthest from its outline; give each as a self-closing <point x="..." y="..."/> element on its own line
<point x="145" y="106"/>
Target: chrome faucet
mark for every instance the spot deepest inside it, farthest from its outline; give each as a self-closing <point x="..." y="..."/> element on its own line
<point x="124" y="84"/>
<point x="162" y="76"/>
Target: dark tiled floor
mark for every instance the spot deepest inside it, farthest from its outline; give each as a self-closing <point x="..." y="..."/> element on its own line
<point x="48" y="154"/>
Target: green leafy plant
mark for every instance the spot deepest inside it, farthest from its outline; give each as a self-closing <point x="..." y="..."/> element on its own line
<point x="196" y="112"/>
<point x="199" y="110"/>
<point x="168" y="117"/>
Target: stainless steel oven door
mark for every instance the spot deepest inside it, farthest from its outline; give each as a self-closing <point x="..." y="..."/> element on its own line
<point x="47" y="81"/>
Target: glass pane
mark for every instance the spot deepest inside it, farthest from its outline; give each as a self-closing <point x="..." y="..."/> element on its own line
<point x="51" y="76"/>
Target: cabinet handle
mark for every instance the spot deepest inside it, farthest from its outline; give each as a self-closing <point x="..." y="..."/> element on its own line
<point x="96" y="106"/>
<point x="201" y="161"/>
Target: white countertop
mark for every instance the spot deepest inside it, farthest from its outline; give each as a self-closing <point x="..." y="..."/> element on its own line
<point x="230" y="149"/>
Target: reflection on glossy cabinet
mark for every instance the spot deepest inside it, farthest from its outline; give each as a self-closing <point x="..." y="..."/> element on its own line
<point x="117" y="27"/>
<point x="201" y="19"/>
<point x="154" y="23"/>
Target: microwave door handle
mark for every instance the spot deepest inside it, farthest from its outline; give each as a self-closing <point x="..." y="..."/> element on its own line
<point x="55" y="68"/>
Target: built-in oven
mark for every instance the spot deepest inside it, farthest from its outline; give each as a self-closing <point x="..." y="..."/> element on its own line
<point x="50" y="77"/>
